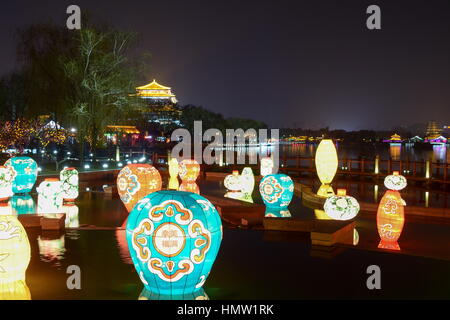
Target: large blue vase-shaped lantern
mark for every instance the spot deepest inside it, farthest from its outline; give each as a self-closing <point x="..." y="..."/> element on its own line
<point x="26" y="173"/>
<point x="276" y="190"/>
<point x="173" y="238"/>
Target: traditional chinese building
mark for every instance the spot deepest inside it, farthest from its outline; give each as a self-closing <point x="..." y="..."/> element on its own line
<point x="433" y="131"/>
<point x="160" y="103"/>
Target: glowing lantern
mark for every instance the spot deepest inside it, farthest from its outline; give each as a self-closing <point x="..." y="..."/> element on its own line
<point x="326" y="161"/>
<point x="50" y="198"/>
<point x="276" y="190"/>
<point x="189" y="170"/>
<point x="23" y="204"/>
<point x="341" y="206"/>
<point x="135" y="181"/>
<point x="390" y="219"/>
<point x="247" y="180"/>
<point x="26" y="170"/>
<point x="173" y="238"/>
<point x="325" y="191"/>
<point x="395" y="181"/>
<point x="7" y="175"/>
<point x="69" y="179"/>
<point x="14" y="258"/>
<point x="233" y="181"/>
<point x="197" y="295"/>
<point x="71" y="210"/>
<point x="173" y="172"/>
<point x="238" y="195"/>
<point x="189" y="187"/>
<point x="277" y="213"/>
<point x="266" y="166"/>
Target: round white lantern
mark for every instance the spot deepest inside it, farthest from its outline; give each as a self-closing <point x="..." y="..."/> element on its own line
<point x="395" y="181"/>
<point x="341" y="206"/>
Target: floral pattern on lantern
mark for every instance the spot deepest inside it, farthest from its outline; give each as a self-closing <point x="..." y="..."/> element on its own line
<point x="276" y="190"/>
<point x="173" y="238"/>
<point x="50" y="196"/>
<point x="233" y="181"/>
<point x="7" y="175"/>
<point x="341" y="206"/>
<point x="326" y="161"/>
<point x="69" y="179"/>
<point x="26" y="170"/>
<point x="247" y="180"/>
<point x="390" y="219"/>
<point x="395" y="181"/>
<point x="14" y="259"/>
<point x="189" y="170"/>
<point x="135" y="181"/>
<point x="266" y="166"/>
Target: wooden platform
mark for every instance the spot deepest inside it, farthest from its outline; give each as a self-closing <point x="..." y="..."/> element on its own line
<point x="47" y="222"/>
<point x="322" y="232"/>
<point x="233" y="211"/>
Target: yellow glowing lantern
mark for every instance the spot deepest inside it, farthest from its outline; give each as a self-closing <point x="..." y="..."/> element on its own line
<point x="326" y="161"/>
<point x="247" y="180"/>
<point x="233" y="181"/>
<point x="189" y="187"/>
<point x="266" y="166"/>
<point x="189" y="170"/>
<point x="173" y="172"/>
<point x="325" y="190"/>
<point x="14" y="258"/>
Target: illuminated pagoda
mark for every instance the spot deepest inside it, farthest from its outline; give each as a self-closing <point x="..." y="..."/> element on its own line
<point x="160" y="103"/>
<point x="433" y="134"/>
<point x="395" y="139"/>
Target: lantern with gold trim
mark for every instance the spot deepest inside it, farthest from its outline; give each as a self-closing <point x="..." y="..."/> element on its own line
<point x="135" y="181"/>
<point x="276" y="190"/>
<point x="173" y="238"/>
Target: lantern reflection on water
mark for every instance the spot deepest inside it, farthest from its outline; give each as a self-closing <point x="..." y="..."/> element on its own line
<point x="197" y="295"/>
<point x="189" y="187"/>
<point x="22" y="204"/>
<point x="390" y="220"/>
<point x="135" y="181"/>
<point x="173" y="238"/>
<point x="326" y="161"/>
<point x="71" y="210"/>
<point x="26" y="173"/>
<point x="14" y="258"/>
<point x="51" y="249"/>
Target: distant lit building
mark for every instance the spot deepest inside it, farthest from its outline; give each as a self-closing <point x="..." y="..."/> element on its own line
<point x="434" y="134"/>
<point x="160" y="103"/>
<point x="395" y="139"/>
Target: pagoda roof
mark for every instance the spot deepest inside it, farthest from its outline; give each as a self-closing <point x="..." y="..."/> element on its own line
<point x="153" y="86"/>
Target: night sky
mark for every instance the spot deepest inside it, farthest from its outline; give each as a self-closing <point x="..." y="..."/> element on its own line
<point x="300" y="63"/>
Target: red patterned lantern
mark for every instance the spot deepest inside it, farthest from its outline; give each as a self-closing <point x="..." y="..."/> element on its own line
<point x="136" y="181"/>
<point x="390" y="220"/>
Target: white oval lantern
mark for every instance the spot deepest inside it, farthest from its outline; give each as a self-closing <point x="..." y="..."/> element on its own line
<point x="341" y="206"/>
<point x="233" y="181"/>
<point x="395" y="181"/>
<point x="50" y="199"/>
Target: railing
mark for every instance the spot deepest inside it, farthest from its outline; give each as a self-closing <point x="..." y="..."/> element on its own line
<point x="427" y="171"/>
